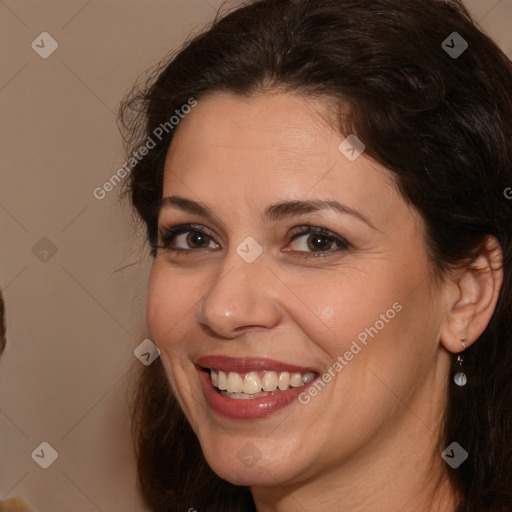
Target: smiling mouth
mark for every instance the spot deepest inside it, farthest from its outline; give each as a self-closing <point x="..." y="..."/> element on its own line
<point x="242" y="386"/>
<point x="251" y="388"/>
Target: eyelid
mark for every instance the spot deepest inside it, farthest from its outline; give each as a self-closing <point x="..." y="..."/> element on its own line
<point x="172" y="232"/>
<point x="304" y="230"/>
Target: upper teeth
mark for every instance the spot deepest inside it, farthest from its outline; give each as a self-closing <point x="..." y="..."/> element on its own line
<point x="251" y="383"/>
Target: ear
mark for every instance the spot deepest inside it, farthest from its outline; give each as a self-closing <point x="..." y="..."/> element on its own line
<point x="472" y="296"/>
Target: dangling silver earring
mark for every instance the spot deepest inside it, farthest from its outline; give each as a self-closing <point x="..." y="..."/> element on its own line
<point x="460" y="377"/>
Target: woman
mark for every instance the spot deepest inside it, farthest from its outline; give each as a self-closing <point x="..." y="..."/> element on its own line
<point x="322" y="184"/>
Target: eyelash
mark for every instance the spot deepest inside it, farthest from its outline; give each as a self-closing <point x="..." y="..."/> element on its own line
<point x="168" y="234"/>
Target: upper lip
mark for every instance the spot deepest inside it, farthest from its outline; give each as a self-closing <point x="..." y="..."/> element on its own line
<point x="249" y="364"/>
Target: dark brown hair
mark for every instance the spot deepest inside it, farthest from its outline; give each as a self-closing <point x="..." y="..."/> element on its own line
<point x="2" y="325"/>
<point x="441" y="124"/>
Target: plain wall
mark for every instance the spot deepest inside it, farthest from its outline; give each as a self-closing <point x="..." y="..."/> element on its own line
<point x="72" y="266"/>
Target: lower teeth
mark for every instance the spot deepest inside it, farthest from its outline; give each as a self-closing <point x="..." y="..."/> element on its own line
<point x="245" y="396"/>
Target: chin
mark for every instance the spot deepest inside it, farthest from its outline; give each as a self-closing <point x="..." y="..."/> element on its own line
<point x="258" y="463"/>
<point x="260" y="475"/>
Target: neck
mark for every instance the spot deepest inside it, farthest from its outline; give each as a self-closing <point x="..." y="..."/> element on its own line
<point x="429" y="495"/>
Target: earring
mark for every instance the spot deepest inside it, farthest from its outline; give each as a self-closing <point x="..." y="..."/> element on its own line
<point x="460" y="377"/>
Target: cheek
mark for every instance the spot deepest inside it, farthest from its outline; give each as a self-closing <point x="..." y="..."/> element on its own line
<point x="343" y="308"/>
<point x="168" y="306"/>
<point x="365" y="326"/>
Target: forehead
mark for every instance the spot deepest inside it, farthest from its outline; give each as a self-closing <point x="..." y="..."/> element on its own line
<point x="269" y="121"/>
<point x="270" y="147"/>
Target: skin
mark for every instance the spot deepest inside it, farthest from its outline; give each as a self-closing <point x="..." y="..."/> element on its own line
<point x="368" y="440"/>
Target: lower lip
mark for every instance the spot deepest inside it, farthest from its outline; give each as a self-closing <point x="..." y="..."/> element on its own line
<point x="250" y="408"/>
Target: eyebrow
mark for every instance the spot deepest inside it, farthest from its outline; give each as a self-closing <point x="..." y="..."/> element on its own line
<point x="273" y="212"/>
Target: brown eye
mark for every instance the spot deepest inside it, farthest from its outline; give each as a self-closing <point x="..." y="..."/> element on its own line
<point x="185" y="238"/>
<point x="318" y="240"/>
<point x="196" y="239"/>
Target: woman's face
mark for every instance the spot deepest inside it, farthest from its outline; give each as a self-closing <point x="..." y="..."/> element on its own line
<point x="254" y="297"/>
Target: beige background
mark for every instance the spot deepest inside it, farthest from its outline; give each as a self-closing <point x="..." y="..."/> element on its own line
<point x="75" y="317"/>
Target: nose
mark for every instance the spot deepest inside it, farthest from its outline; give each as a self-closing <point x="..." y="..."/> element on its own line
<point x="242" y="296"/>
